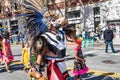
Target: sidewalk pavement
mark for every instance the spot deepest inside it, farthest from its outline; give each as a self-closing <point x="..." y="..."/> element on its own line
<point x="116" y="41"/>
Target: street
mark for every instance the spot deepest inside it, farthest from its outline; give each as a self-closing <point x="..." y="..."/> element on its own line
<point x="96" y="21"/>
<point x="102" y="66"/>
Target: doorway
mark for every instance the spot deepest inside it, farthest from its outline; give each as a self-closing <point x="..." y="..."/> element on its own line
<point x="115" y="26"/>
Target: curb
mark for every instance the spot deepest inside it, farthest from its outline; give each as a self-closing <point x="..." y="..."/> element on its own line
<point x="16" y="62"/>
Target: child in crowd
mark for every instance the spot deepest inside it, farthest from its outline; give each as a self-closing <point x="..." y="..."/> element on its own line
<point x="79" y="63"/>
<point x="26" y="56"/>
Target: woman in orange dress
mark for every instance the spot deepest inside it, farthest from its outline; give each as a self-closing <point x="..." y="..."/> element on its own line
<point x="7" y="57"/>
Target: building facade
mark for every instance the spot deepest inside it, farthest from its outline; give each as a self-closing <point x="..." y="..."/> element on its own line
<point x="93" y="15"/>
<point x="85" y="14"/>
<point x="9" y="9"/>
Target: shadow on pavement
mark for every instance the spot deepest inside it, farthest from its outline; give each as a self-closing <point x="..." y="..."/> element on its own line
<point x="109" y="62"/>
<point x="15" y="67"/>
<point x="91" y="76"/>
<point x="117" y="51"/>
<point x="17" y="55"/>
<point x="90" y="55"/>
<point x="2" y="69"/>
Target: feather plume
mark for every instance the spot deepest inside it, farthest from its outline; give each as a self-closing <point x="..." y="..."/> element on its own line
<point x="34" y="17"/>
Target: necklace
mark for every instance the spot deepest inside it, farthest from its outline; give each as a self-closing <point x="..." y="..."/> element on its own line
<point x="58" y="37"/>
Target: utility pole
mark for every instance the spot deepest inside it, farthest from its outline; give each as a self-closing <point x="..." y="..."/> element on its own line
<point x="65" y="8"/>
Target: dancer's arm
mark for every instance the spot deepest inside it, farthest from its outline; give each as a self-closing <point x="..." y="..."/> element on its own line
<point x="40" y="56"/>
<point x="77" y="57"/>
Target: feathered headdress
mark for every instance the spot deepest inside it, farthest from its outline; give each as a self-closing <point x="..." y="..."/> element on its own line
<point x="56" y="18"/>
<point x="34" y="17"/>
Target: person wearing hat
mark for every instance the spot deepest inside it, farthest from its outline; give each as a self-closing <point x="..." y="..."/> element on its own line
<point x="79" y="61"/>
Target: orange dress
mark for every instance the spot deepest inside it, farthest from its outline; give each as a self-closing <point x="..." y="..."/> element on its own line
<point x="8" y="57"/>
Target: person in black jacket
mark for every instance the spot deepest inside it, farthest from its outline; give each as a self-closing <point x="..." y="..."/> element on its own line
<point x="108" y="37"/>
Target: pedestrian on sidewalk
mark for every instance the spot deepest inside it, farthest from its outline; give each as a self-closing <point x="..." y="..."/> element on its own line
<point x="92" y="35"/>
<point x="108" y="37"/>
<point x="7" y="57"/>
<point x="80" y="67"/>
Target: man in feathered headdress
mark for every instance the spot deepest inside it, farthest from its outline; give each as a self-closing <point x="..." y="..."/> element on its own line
<point x="55" y="51"/>
<point x="47" y="41"/>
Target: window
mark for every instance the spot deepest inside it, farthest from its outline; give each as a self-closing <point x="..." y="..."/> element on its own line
<point x="97" y="18"/>
<point x="14" y="26"/>
<point x="97" y="11"/>
<point x="0" y="24"/>
<point x="14" y="22"/>
<point x="73" y="14"/>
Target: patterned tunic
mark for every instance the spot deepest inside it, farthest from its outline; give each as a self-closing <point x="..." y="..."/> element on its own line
<point x="56" y="42"/>
<point x="56" y="67"/>
<point x="79" y="66"/>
